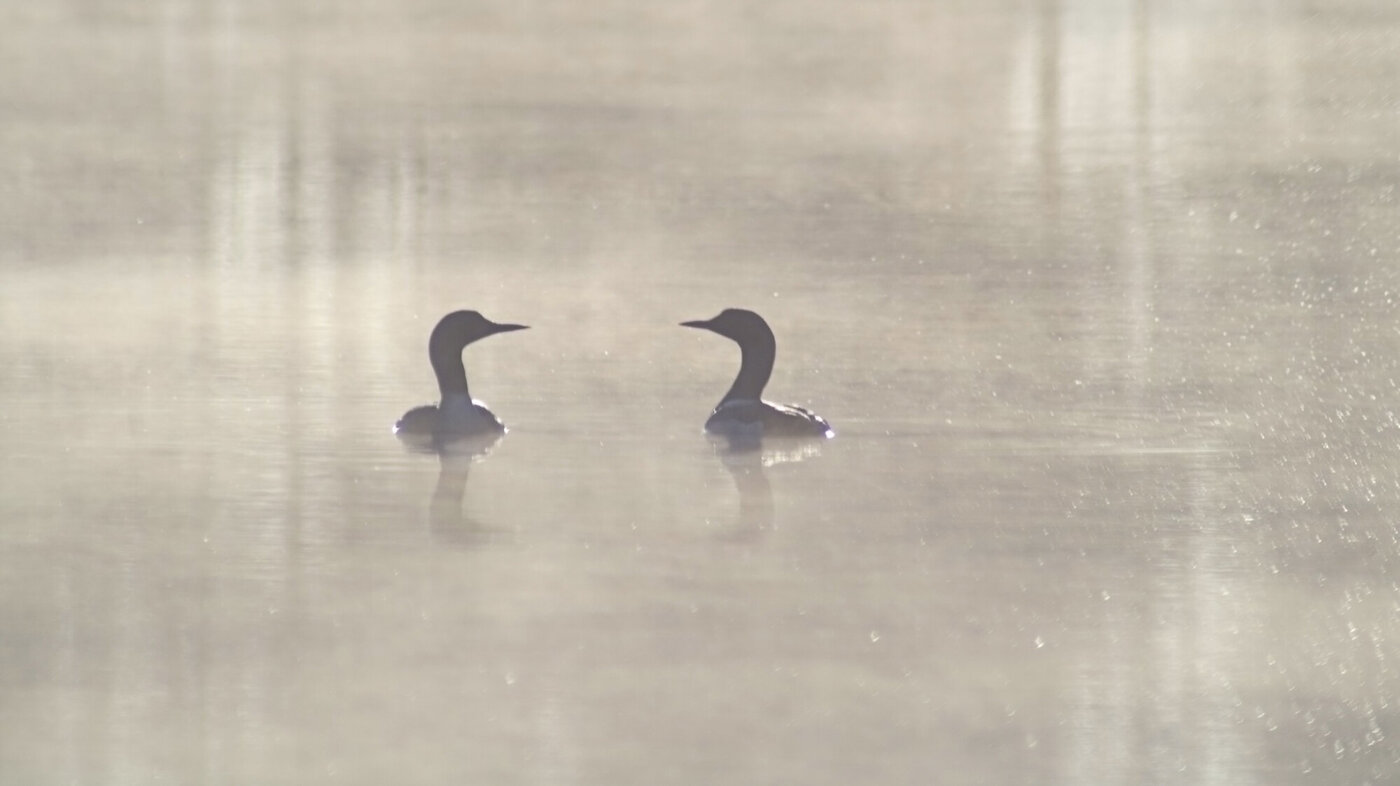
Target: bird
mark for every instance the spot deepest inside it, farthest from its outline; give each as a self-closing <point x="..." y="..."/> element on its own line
<point x="457" y="415"/>
<point x="743" y="413"/>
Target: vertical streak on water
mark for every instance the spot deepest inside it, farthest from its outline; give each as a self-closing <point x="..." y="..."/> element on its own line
<point x="1051" y="31"/>
<point x="1284" y="72"/>
<point x="1096" y="744"/>
<point x="315" y="186"/>
<point x="403" y="226"/>
<point x="1139" y="242"/>
<point x="249" y="248"/>
<point x="558" y="754"/>
<point x="1213" y="609"/>
<point x="1100" y="743"/>
<point x="1164" y="649"/>
<point x="304" y="403"/>
<point x="180" y="79"/>
<point x="69" y="709"/>
<point x="312" y="397"/>
<point x="184" y="76"/>
<point x="1168" y="638"/>
<point x="221" y="182"/>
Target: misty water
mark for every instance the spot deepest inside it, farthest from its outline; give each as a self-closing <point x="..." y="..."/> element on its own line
<point x="1100" y="298"/>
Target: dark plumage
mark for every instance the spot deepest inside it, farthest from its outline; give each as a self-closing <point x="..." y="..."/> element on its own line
<point x="743" y="412"/>
<point x="457" y="415"/>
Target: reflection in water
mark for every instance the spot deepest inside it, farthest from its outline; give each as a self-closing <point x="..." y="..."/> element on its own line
<point x="747" y="458"/>
<point x="447" y="517"/>
<point x="755" y="493"/>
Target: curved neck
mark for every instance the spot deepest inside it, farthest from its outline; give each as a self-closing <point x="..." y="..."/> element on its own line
<point x="755" y="367"/>
<point x="447" y="365"/>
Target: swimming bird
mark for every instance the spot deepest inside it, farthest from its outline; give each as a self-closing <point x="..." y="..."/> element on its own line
<point x="742" y="412"/>
<point x="457" y="415"/>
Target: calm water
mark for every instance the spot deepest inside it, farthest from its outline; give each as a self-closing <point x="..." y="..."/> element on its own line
<point x="1100" y="297"/>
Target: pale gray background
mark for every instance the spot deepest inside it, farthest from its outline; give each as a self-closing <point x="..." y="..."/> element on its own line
<point x="1100" y="295"/>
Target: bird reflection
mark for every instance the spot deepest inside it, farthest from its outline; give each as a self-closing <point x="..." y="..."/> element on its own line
<point x="447" y="519"/>
<point x="747" y="458"/>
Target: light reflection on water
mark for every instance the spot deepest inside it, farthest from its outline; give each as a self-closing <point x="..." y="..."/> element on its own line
<point x="1095" y="297"/>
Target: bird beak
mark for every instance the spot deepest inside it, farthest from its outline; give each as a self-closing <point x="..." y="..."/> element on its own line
<point x="506" y="328"/>
<point x="697" y="323"/>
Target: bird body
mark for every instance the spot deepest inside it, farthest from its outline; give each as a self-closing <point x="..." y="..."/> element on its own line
<point x="759" y="418"/>
<point x="457" y="415"/>
<point x="743" y="413"/>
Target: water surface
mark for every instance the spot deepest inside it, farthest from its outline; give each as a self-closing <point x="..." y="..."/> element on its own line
<point x="1099" y="297"/>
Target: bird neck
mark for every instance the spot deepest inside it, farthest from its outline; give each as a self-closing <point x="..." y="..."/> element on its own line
<point x="451" y="374"/>
<point x="755" y="367"/>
